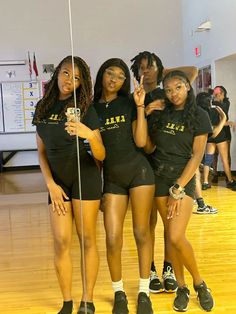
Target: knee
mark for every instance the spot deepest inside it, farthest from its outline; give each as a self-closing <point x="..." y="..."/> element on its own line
<point x="175" y="241"/>
<point x="208" y="159"/>
<point x="141" y="234"/>
<point x="61" y="245"/>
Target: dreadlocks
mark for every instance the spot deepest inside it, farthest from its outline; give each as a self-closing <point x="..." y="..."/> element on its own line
<point x="83" y="92"/>
<point x="150" y="58"/>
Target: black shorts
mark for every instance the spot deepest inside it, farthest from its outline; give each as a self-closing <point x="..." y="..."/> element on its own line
<point x="65" y="174"/>
<point x="120" y="178"/>
<point x="166" y="175"/>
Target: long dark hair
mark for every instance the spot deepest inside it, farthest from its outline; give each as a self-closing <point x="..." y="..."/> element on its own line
<point x="150" y="58"/>
<point x="113" y="62"/>
<point x="203" y="100"/>
<point x="83" y="92"/>
<point x="190" y="116"/>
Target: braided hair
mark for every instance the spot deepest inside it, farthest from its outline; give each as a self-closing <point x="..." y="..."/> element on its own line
<point x="150" y="58"/>
<point x="83" y="92"/>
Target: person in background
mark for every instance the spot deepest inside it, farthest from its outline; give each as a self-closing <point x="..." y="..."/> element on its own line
<point x="178" y="136"/>
<point x="70" y="198"/>
<point x="219" y="94"/>
<point x="218" y="141"/>
<point x="204" y="100"/>
<point x="150" y="66"/>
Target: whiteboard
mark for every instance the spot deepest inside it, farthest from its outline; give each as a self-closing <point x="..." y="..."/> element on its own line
<point x="19" y="100"/>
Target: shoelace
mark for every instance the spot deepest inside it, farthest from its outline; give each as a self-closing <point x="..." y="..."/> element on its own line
<point x="153" y="275"/>
<point x="168" y="274"/>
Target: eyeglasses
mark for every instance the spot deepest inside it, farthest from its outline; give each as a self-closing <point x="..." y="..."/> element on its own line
<point x="113" y="75"/>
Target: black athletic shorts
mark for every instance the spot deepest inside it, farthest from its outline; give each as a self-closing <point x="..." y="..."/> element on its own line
<point x="118" y="179"/>
<point x="166" y="175"/>
<point x="65" y="174"/>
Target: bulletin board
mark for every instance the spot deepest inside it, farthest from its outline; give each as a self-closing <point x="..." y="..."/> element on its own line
<point x="18" y="105"/>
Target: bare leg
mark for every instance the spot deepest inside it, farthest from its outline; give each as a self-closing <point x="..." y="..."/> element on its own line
<point x="142" y="201"/>
<point x="91" y="258"/>
<point x="115" y="208"/>
<point x="62" y="234"/>
<point x="181" y="250"/>
<point x="223" y="151"/>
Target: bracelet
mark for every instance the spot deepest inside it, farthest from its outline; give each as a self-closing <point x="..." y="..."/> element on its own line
<point x="138" y="106"/>
<point x="178" y="196"/>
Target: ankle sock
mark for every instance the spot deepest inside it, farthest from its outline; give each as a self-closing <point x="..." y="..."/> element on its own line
<point x="117" y="286"/>
<point x="67" y="307"/>
<point x="144" y="285"/>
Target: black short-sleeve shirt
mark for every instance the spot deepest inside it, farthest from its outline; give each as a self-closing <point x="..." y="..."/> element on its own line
<point x="58" y="143"/>
<point x="174" y="141"/>
<point x="116" y="129"/>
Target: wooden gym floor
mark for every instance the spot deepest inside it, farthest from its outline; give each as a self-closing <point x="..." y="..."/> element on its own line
<point x="28" y="283"/>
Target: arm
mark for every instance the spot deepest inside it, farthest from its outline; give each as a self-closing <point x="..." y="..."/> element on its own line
<point x="221" y="124"/>
<point x="93" y="136"/>
<point x="97" y="147"/>
<point x="149" y="147"/>
<point x="56" y="192"/>
<point x="139" y="126"/>
<point x="199" y="145"/>
<point x="190" y="71"/>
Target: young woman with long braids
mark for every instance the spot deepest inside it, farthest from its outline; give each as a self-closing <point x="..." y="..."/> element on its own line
<point x="149" y="65"/>
<point x="179" y="133"/>
<point x="127" y="175"/>
<point x="57" y="148"/>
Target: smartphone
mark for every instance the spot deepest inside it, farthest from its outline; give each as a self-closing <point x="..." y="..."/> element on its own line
<point x="73" y="114"/>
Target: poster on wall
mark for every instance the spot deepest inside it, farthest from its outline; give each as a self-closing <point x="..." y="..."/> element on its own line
<point x="1" y="113"/>
<point x="19" y="100"/>
<point x="203" y="80"/>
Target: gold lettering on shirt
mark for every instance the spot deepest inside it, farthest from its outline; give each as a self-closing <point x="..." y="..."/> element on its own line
<point x="54" y="117"/>
<point x="115" y="119"/>
<point x="176" y="127"/>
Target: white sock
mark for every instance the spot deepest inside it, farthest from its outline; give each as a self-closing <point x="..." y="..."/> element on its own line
<point x="144" y="285"/>
<point x="117" y="285"/>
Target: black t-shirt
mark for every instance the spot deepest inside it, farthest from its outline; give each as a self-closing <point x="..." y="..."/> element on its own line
<point x="59" y="144"/>
<point x="116" y="129"/>
<point x="174" y="141"/>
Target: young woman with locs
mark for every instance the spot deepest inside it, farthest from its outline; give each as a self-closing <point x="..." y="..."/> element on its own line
<point x="179" y="134"/>
<point x="127" y="175"/>
<point x="57" y="150"/>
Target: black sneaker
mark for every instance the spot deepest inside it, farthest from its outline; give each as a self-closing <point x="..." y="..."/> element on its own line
<point x="86" y="308"/>
<point x="231" y="185"/>
<point x="144" y="304"/>
<point x="155" y="285"/>
<point x="120" y="305"/>
<point x="204" y="297"/>
<point x="206" y="186"/>
<point x="181" y="300"/>
<point x="214" y="178"/>
<point x="169" y="281"/>
<point x="206" y="209"/>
